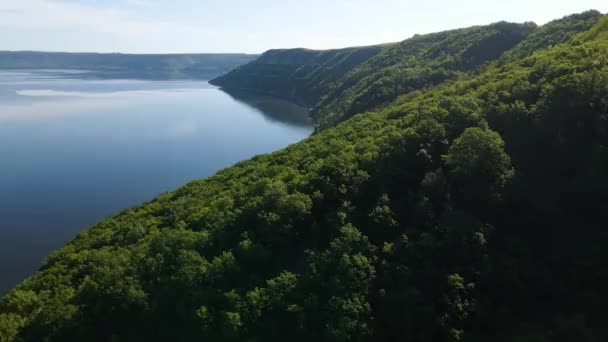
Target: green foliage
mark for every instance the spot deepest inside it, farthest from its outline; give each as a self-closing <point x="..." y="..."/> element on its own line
<point x="300" y="75"/>
<point x="416" y="63"/>
<point x="472" y="210"/>
<point x="555" y="32"/>
<point x="477" y="165"/>
<point x="9" y="326"/>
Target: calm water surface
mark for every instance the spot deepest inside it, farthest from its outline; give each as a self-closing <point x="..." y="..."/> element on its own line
<point x="75" y="149"/>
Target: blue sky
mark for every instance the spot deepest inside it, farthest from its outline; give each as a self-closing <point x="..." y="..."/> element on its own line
<point x="252" y="26"/>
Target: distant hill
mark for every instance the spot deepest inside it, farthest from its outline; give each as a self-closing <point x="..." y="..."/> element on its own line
<point x="204" y="66"/>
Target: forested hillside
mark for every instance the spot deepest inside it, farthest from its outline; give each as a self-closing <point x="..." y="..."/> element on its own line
<point x="116" y="64"/>
<point x="299" y="75"/>
<point x="471" y="210"/>
<point x="416" y="63"/>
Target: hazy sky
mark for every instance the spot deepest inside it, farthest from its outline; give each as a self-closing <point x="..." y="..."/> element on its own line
<point x="155" y="26"/>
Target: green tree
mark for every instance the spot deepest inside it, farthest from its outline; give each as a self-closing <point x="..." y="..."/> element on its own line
<point x="478" y="166"/>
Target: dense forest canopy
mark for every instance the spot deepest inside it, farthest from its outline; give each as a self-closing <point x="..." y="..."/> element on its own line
<point x="116" y="64"/>
<point x="472" y="207"/>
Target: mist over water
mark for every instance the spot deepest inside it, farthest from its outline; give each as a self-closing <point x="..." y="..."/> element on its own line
<point x="75" y="149"/>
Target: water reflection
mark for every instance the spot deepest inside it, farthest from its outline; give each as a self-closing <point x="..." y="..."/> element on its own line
<point x="272" y="108"/>
<point x="77" y="149"/>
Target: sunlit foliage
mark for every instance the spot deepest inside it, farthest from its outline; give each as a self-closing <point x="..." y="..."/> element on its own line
<point x="474" y="210"/>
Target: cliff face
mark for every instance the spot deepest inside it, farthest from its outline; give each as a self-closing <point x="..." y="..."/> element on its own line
<point x="299" y="75"/>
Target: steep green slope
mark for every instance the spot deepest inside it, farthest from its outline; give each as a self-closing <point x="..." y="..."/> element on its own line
<point x="416" y="63"/>
<point x="554" y="32"/>
<point x="174" y="65"/>
<point x="474" y="210"/>
<point x="343" y="89"/>
<point x="413" y="64"/>
<point x="299" y="75"/>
